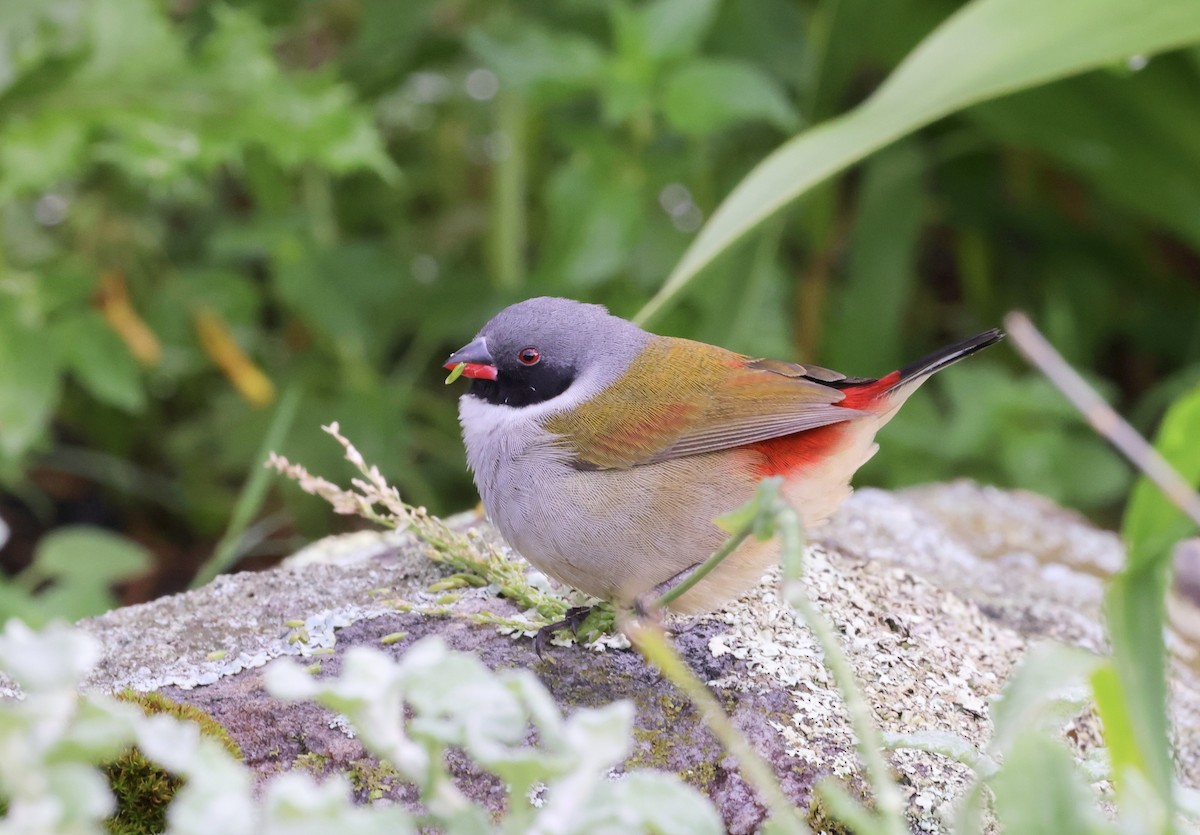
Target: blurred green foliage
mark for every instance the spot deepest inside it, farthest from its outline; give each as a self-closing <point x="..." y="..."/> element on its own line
<point x="203" y="204"/>
<point x="71" y="575"/>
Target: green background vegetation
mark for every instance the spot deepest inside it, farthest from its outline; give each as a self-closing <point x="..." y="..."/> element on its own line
<point x="209" y="209"/>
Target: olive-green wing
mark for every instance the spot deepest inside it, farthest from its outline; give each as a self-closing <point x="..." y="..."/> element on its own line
<point x="683" y="398"/>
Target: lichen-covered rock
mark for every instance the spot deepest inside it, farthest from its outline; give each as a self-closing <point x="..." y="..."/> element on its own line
<point x="936" y="594"/>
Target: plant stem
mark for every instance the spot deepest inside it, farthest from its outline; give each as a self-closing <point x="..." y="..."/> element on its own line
<point x="653" y="645"/>
<point x="508" y="195"/>
<point x="253" y="493"/>
<point x="1103" y="418"/>
<point x="869" y="742"/>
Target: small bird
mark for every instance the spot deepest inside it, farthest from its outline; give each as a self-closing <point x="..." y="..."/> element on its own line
<point x="603" y="453"/>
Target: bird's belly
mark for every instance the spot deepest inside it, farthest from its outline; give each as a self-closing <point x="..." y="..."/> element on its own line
<point x="619" y="533"/>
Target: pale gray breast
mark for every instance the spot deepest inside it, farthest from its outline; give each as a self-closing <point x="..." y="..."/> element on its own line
<point x="514" y="461"/>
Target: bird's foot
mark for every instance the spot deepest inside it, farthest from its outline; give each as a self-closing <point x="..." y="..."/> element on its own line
<point x="574" y="618"/>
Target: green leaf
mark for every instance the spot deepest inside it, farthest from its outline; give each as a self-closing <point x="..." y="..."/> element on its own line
<point x="29" y="385"/>
<point x="1084" y="124"/>
<point x="70" y="601"/>
<point x="100" y="361"/>
<point x="1152" y="523"/>
<point x="543" y="64"/>
<point x="16" y="602"/>
<point x="1047" y="689"/>
<point x="662" y="30"/>
<point x="1039" y="792"/>
<point x="706" y="95"/>
<point x="90" y="557"/>
<point x="146" y="101"/>
<point x="987" y="49"/>
<point x="1135" y="608"/>
<point x="646" y="801"/>
<point x="1136" y="597"/>
<point x="33" y="32"/>
<point x="36" y="152"/>
<point x="1120" y="738"/>
<point x="596" y="214"/>
<point x="874" y="300"/>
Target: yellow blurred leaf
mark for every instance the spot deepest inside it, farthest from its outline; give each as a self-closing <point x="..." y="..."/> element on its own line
<point x="113" y="300"/>
<point x="222" y="348"/>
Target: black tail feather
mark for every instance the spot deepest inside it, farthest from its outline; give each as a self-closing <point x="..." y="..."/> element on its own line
<point x="948" y="356"/>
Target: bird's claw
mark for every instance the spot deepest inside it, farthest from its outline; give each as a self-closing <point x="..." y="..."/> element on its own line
<point x="572" y="620"/>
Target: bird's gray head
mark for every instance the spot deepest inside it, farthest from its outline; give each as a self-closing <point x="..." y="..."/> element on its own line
<point x="535" y="350"/>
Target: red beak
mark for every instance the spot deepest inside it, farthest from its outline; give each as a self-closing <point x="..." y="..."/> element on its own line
<point x="477" y="362"/>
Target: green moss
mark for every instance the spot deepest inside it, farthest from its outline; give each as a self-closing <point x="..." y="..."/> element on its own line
<point x="656" y="748"/>
<point x="368" y="777"/>
<point x="143" y="789"/>
<point x="312" y="762"/>
<point x="702" y="775"/>
<point x="374" y="779"/>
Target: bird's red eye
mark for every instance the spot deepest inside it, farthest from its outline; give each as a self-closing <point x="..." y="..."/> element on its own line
<point x="529" y="356"/>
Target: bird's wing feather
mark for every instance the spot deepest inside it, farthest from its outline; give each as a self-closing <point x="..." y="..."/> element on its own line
<point x="683" y="398"/>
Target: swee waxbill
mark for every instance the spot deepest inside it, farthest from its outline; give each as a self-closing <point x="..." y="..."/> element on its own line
<point x="603" y="453"/>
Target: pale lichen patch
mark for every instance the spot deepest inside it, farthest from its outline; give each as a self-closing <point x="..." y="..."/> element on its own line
<point x="927" y="660"/>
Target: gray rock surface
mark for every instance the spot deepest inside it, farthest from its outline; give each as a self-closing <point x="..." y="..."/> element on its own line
<point x="936" y="593"/>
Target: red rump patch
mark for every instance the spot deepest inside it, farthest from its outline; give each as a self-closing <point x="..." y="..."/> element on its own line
<point x="795" y="453"/>
<point x="861" y="397"/>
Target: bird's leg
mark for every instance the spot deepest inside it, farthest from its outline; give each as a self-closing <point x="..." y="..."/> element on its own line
<point x="574" y="618"/>
<point x="674" y="588"/>
<point x="650" y="603"/>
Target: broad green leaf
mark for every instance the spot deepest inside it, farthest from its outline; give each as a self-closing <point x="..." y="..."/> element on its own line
<point x="774" y="34"/>
<point x="82" y="562"/>
<point x="330" y="308"/>
<point x="1039" y="791"/>
<point x="100" y="361"/>
<point x="36" y="152"/>
<point x="706" y="95"/>
<point x="1074" y="468"/>
<point x="986" y="49"/>
<point x="89" y="556"/>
